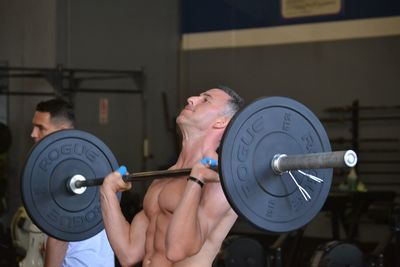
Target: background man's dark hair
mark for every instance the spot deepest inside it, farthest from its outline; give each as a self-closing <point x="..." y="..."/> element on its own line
<point x="59" y="109"/>
<point x="236" y="102"/>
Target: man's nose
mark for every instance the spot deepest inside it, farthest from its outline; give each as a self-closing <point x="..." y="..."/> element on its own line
<point x="34" y="133"/>
<point x="192" y="100"/>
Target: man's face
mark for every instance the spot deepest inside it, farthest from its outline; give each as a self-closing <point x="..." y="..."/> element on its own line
<point x="42" y="125"/>
<point x="202" y="111"/>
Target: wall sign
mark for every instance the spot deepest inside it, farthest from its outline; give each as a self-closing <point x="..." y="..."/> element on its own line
<point x="309" y="8"/>
<point x="103" y="111"/>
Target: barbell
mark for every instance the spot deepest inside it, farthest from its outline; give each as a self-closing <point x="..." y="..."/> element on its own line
<point x="275" y="165"/>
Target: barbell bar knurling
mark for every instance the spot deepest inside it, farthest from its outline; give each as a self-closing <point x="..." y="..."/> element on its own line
<point x="280" y="163"/>
<point x="131" y="177"/>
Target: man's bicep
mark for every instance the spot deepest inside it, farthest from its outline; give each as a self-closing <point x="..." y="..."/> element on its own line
<point x="138" y="230"/>
<point x="213" y="210"/>
<point x="55" y="252"/>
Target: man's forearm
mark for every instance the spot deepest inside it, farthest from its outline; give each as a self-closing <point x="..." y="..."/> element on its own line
<point x="185" y="234"/>
<point x="55" y="252"/>
<point x="118" y="230"/>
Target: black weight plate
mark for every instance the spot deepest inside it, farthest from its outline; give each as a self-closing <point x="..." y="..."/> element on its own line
<point x="270" y="126"/>
<point x="50" y="164"/>
<point x="338" y="253"/>
<point x="240" y="251"/>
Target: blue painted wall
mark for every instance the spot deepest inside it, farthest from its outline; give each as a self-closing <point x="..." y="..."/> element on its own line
<point x="216" y="15"/>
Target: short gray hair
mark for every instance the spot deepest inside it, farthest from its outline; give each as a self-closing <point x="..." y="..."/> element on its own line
<point x="235" y="103"/>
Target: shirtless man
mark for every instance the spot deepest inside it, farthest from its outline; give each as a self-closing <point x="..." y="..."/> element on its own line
<point x="184" y="219"/>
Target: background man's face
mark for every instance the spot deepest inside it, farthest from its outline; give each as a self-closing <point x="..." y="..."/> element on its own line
<point x="42" y="126"/>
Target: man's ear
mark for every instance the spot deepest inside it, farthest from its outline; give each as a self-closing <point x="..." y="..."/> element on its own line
<point x="221" y="122"/>
<point x="65" y="126"/>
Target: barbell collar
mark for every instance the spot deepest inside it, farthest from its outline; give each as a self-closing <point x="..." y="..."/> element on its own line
<point x="282" y="162"/>
<point x="76" y="179"/>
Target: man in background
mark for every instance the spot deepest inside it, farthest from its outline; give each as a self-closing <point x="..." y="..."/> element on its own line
<point x="50" y="116"/>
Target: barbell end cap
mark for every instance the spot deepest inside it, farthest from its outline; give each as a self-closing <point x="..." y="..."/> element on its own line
<point x="73" y="187"/>
<point x="275" y="163"/>
<point x="350" y="158"/>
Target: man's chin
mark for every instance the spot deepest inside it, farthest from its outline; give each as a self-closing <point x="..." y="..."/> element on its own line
<point x="179" y="119"/>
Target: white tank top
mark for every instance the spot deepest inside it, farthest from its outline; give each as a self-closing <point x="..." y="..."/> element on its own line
<point x="95" y="251"/>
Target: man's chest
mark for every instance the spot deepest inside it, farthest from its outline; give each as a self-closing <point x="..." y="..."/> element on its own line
<point x="165" y="195"/>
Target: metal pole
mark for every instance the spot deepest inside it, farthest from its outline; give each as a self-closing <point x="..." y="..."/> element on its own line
<point x="135" y="177"/>
<point x="282" y="162"/>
